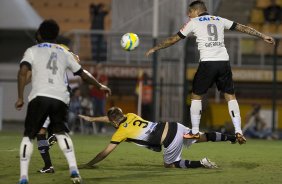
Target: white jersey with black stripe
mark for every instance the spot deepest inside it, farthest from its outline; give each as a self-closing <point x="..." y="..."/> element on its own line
<point x="49" y="63"/>
<point x="209" y="32"/>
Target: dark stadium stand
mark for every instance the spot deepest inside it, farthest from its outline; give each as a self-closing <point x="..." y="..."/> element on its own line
<point x="257" y="21"/>
<point x="70" y="14"/>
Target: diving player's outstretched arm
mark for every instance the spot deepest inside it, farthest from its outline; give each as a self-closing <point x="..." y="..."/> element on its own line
<point x="250" y="31"/>
<point x="100" y="156"/>
<point x="103" y="119"/>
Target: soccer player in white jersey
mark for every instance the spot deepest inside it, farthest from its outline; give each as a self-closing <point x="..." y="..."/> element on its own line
<point x="44" y="144"/>
<point x="49" y="96"/>
<point x="214" y="64"/>
<point x="154" y="136"/>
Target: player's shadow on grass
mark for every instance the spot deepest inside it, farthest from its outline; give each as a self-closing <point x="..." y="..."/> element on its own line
<point x="128" y="178"/>
<point x="246" y="165"/>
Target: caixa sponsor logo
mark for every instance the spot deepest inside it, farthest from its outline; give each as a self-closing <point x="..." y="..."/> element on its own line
<point x="48" y="45"/>
<point x="208" y="18"/>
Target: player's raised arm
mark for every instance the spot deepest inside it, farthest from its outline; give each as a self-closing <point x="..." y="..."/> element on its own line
<point x="246" y="29"/>
<point x="103" y="119"/>
<point x="164" y="44"/>
<point x="87" y="77"/>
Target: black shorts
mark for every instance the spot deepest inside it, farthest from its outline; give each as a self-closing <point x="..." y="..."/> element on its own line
<point x="39" y="109"/>
<point x="210" y="72"/>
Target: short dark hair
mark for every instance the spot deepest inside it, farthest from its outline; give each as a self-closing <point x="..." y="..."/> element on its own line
<point x="48" y="30"/>
<point x="113" y="111"/>
<point x="199" y="5"/>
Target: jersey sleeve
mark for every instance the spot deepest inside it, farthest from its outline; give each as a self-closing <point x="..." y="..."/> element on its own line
<point x="118" y="137"/>
<point x="228" y="24"/>
<point x="73" y="65"/>
<point x="28" y="56"/>
<point x="186" y="29"/>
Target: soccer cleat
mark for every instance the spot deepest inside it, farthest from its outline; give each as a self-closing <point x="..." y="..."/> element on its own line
<point x="52" y="140"/>
<point x="208" y="164"/>
<point x="240" y="138"/>
<point x="75" y="178"/>
<point x="192" y="136"/>
<point x="233" y="141"/>
<point x="23" y="181"/>
<point x="47" y="170"/>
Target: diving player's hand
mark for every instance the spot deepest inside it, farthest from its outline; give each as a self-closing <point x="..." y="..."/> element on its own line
<point x="106" y="90"/>
<point x="269" y="39"/>
<point x="86" y="118"/>
<point x="149" y="52"/>
<point x="19" y="104"/>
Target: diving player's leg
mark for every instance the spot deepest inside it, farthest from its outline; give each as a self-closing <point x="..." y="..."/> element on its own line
<point x="172" y="152"/>
<point x="216" y="137"/>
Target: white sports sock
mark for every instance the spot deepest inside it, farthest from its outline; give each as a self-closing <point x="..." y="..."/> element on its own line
<point x="234" y="112"/>
<point x="26" y="150"/>
<point x="196" y="111"/>
<point x="66" y="146"/>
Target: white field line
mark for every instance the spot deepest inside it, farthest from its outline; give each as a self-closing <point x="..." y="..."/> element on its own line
<point x="9" y="150"/>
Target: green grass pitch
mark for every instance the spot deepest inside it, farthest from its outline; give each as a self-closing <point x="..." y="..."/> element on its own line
<point x="257" y="162"/>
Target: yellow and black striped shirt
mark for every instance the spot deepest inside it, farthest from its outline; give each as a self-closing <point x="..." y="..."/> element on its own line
<point x="140" y="131"/>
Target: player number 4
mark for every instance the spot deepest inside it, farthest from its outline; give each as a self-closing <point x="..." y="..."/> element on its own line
<point x="52" y="63"/>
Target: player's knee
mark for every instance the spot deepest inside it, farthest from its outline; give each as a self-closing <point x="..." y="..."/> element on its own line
<point x="169" y="165"/>
<point x="229" y="97"/>
<point x="196" y="97"/>
<point x="211" y="136"/>
<point x="42" y="143"/>
<point x="30" y="134"/>
<point x="42" y="131"/>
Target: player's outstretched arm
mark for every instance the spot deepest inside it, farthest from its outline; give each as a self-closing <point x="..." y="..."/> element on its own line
<point x="164" y="44"/>
<point x="100" y="156"/>
<point x="253" y="32"/>
<point x="103" y="119"/>
<point x="87" y="77"/>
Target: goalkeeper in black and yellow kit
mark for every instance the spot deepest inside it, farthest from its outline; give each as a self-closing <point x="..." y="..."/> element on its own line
<point x="132" y="128"/>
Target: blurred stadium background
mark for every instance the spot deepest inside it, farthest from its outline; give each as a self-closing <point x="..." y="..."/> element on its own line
<point x="257" y="69"/>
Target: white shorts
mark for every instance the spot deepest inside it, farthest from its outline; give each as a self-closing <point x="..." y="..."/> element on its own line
<point x="173" y="152"/>
<point x="46" y="123"/>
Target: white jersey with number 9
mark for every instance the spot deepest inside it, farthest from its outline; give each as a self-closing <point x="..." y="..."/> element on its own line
<point x="209" y="31"/>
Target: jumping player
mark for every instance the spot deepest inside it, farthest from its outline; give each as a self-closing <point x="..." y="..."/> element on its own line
<point x="214" y="64"/>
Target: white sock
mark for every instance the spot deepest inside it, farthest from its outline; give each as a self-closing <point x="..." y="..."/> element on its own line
<point x="26" y="150"/>
<point x="234" y="112"/>
<point x="66" y="146"/>
<point x="196" y="111"/>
